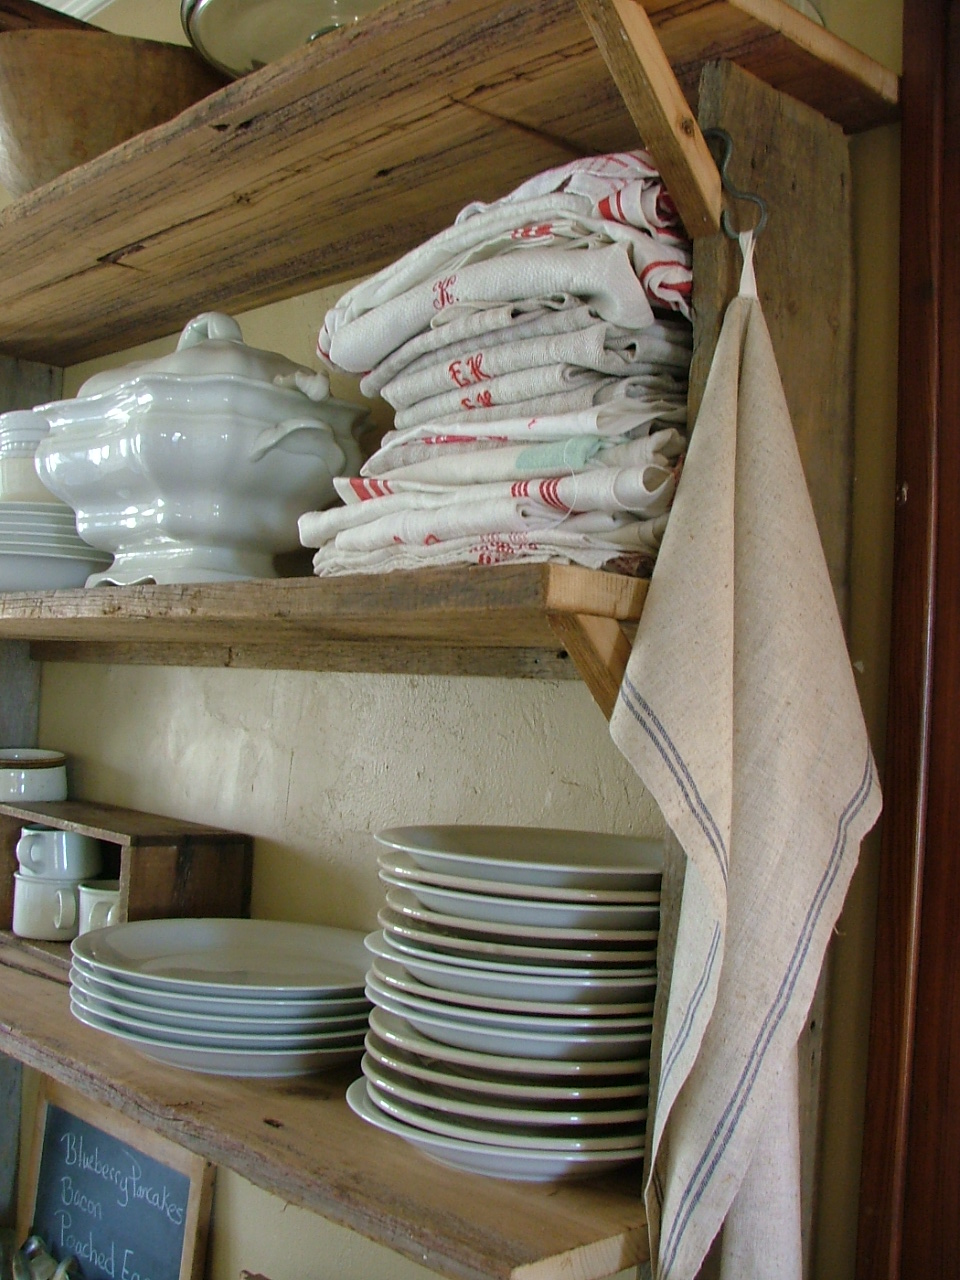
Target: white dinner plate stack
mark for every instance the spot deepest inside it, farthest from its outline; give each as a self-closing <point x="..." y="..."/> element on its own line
<point x="40" y="548"/>
<point x="225" y="996"/>
<point x="513" y="979"/>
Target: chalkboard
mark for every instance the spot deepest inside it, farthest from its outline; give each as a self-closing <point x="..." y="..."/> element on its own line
<point x="126" y="1202"/>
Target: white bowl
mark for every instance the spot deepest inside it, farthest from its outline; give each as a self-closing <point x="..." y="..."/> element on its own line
<point x="32" y="773"/>
<point x="47" y="570"/>
<point x="197" y="467"/>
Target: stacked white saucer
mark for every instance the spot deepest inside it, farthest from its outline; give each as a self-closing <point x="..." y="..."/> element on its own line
<point x="513" y="980"/>
<point x="40" y="548"/>
<point x="225" y="996"/>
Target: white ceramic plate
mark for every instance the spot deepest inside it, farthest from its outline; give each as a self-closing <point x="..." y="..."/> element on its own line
<point x="445" y="942"/>
<point x="560" y="1046"/>
<point x="260" y="1064"/>
<point x="407" y="904"/>
<point x="489" y="908"/>
<point x="570" y="979"/>
<point x="458" y="1103"/>
<point x="482" y="1158"/>
<point x="397" y="977"/>
<point x="110" y="1005"/>
<point x="618" y="1138"/>
<point x="401" y="1034"/>
<point x="402" y="865"/>
<point x="266" y="957"/>
<point x="213" y="1039"/>
<point x="551" y="1021"/>
<point x="532" y="855"/>
<point x="477" y="1083"/>
<point x="177" y="1003"/>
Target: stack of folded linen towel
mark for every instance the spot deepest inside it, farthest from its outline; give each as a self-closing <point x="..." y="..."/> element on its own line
<point x="536" y="355"/>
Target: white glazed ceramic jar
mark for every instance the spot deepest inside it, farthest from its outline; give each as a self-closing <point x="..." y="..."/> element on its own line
<point x="195" y="467"/>
<point x="32" y="773"/>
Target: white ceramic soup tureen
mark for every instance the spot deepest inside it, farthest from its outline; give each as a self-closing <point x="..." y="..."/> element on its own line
<point x="195" y="467"/>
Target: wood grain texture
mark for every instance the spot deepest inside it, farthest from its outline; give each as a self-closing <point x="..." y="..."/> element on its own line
<point x="67" y="96"/>
<point x="480" y="606"/>
<point x="339" y="157"/>
<point x="800" y="164"/>
<point x="771" y="40"/>
<point x="10" y="1082"/>
<point x="298" y="1140"/>
<point x="909" y="1176"/>
<point x="388" y="657"/>
<point x="633" y="54"/>
<point x="600" y="650"/>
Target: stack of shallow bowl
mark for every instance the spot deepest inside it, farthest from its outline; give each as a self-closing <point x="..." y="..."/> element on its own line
<point x="513" y="981"/>
<point x="226" y="996"/>
<point x="39" y="544"/>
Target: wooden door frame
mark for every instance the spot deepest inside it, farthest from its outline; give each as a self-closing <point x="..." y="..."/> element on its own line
<point x="910" y="1182"/>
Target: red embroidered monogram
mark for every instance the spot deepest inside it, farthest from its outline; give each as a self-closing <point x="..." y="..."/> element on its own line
<point x="464" y="373"/>
<point x="482" y="400"/>
<point x="443" y="294"/>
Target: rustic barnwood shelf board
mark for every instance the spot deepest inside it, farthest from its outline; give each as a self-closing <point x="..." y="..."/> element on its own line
<point x="334" y="160"/>
<point x="298" y="1139"/>
<point x="505" y="620"/>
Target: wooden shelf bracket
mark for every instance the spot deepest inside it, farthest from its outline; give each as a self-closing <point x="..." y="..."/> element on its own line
<point x="600" y="649"/>
<point x="657" y="105"/>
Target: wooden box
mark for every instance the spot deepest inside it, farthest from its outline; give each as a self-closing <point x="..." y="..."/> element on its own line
<point x="166" y="867"/>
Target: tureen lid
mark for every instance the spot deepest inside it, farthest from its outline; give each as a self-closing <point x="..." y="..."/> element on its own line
<point x="212" y="344"/>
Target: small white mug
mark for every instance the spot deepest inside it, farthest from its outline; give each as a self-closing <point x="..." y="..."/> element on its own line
<point x="58" y="855"/>
<point x="99" y="904"/>
<point x="44" y="909"/>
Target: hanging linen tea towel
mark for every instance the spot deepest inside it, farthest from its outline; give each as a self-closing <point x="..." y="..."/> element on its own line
<point x="739" y="712"/>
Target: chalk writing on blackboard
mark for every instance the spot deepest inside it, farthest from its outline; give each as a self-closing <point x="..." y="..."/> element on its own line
<point x="122" y="1212"/>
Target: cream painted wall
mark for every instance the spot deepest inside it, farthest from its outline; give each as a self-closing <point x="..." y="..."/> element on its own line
<point x="311" y="764"/>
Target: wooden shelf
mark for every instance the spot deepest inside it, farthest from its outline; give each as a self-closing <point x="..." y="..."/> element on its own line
<point x="505" y="620"/>
<point x="336" y="159"/>
<point x="298" y="1139"/>
<point x="166" y="867"/>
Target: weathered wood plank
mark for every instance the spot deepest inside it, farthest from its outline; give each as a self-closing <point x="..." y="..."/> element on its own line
<point x="334" y="160"/>
<point x="776" y="43"/>
<point x="389" y="657"/>
<point x="10" y="1081"/>
<point x="22" y="385"/>
<point x="799" y="163"/>
<point x="298" y="1140"/>
<point x="479" y="606"/>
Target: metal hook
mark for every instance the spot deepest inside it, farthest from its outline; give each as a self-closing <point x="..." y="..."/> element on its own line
<point x="728" y="186"/>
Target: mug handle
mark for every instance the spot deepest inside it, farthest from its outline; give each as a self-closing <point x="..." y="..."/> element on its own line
<point x="25" y="847"/>
<point x="66" y="916"/>
<point x="102" y="913"/>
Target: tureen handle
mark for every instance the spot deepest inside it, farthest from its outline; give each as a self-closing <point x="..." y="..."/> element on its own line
<point x="317" y="437"/>
<point x="209" y="326"/>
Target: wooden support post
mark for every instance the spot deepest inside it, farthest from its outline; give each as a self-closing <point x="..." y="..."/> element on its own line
<point x="22" y="385"/>
<point x="657" y="106"/>
<point x="799" y="162"/>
